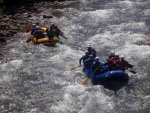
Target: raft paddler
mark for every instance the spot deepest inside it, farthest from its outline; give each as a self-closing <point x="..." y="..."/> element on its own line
<point x="96" y="67"/>
<point x="89" y="62"/>
<point x="50" y="32"/>
<point x="84" y="57"/>
<point x="57" y="31"/>
<point x="122" y="64"/>
<point x="112" y="54"/>
<point x="33" y="28"/>
<point x="112" y="62"/>
<point x="38" y="33"/>
<point x="91" y="50"/>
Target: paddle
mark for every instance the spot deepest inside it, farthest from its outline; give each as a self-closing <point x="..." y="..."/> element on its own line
<point x="28" y="40"/>
<point x="28" y="30"/>
<point x="130" y="65"/>
<point x="75" y="67"/>
<point x="86" y="80"/>
<point x="134" y="72"/>
<point x="63" y="36"/>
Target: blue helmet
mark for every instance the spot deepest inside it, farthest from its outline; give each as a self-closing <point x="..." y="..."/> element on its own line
<point x="37" y="23"/>
<point x="55" y="27"/>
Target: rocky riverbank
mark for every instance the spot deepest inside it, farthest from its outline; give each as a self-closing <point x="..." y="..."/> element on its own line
<point x="18" y="20"/>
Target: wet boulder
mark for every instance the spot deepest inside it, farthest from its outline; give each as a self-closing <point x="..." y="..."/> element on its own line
<point x="2" y="40"/>
<point x="47" y="16"/>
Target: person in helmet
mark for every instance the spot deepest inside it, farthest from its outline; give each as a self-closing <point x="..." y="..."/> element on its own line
<point x="57" y="31"/>
<point x="89" y="62"/>
<point x="33" y="29"/>
<point x="116" y="58"/>
<point x="96" y="66"/>
<point x="112" y="62"/>
<point x="122" y="64"/>
<point x="112" y="54"/>
<point x="84" y="57"/>
<point x="50" y="33"/>
<point x="37" y="23"/>
<point x="52" y="25"/>
<point x="115" y="61"/>
<point x="91" y="50"/>
<point x="38" y="33"/>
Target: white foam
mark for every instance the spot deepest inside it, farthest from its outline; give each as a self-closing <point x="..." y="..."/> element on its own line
<point x="104" y="14"/>
<point x="12" y="65"/>
<point x="140" y="52"/>
<point x="5" y="77"/>
<point x="147" y="12"/>
<point x="127" y="3"/>
<point x="82" y="100"/>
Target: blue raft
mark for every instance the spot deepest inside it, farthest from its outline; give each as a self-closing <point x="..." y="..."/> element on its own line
<point x="108" y="77"/>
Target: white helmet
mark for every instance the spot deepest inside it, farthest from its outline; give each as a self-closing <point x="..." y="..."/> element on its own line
<point x="33" y="25"/>
<point x="116" y="54"/>
<point x="112" y="53"/>
<point x="122" y="57"/>
<point x="96" y="58"/>
<point x="88" y="45"/>
<point x="86" y="52"/>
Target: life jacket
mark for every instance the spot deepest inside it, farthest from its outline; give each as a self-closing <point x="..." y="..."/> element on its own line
<point x="123" y="63"/>
<point x="111" y="56"/>
<point x="96" y="68"/>
<point x="112" y="60"/>
<point x="85" y="57"/>
<point x="38" y="34"/>
<point x="32" y="30"/>
<point x="57" y="32"/>
<point x="95" y="65"/>
<point x="91" y="51"/>
<point x="50" y="33"/>
<point x="88" y="62"/>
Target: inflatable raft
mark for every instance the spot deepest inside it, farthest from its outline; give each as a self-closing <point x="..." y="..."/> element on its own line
<point x="46" y="40"/>
<point x="108" y="77"/>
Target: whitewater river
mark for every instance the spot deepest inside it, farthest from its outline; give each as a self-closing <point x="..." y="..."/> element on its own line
<point x="38" y="79"/>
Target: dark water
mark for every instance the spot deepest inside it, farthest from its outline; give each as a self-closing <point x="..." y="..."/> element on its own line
<point x="38" y="79"/>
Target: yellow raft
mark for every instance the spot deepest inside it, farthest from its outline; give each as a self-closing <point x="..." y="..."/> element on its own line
<point x="46" y="40"/>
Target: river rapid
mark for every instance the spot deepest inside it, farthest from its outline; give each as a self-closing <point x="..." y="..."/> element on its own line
<point x="38" y="79"/>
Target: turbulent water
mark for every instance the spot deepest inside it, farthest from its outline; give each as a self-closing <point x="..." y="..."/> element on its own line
<point x="38" y="79"/>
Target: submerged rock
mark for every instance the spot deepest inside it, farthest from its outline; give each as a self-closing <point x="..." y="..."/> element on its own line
<point x="47" y="16"/>
<point x="2" y="40"/>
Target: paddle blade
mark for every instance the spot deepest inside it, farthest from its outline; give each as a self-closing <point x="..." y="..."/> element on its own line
<point x="130" y="65"/>
<point x="85" y="82"/>
<point x="29" y="39"/>
<point x="134" y="72"/>
<point x="28" y="30"/>
<point x="74" y="67"/>
<point x="60" y="42"/>
<point x="63" y="36"/>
